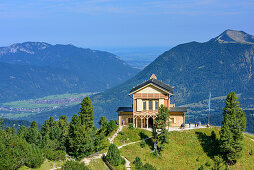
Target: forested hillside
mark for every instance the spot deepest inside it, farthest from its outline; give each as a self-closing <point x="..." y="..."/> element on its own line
<point x="219" y="66"/>
<point x="36" y="69"/>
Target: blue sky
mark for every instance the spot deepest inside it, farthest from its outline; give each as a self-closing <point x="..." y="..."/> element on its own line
<point x="121" y="23"/>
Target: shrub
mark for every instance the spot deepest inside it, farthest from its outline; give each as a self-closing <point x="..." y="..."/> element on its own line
<point x="213" y="135"/>
<point x="111" y="126"/>
<point x="113" y="155"/>
<point x="138" y="163"/>
<point x="56" y="155"/>
<point x="131" y="126"/>
<point x="148" y="167"/>
<point x="251" y="152"/>
<point x="217" y="162"/>
<point x="201" y="167"/>
<point x="74" y="165"/>
<point x="117" y="122"/>
<point x="121" y="133"/>
<point x="34" y="157"/>
<point x="207" y="164"/>
<point x="197" y="159"/>
<point x="142" y="143"/>
<point x="155" y="153"/>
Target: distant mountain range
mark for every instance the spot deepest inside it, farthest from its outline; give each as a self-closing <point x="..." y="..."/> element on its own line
<point x="35" y="69"/>
<point x="221" y="65"/>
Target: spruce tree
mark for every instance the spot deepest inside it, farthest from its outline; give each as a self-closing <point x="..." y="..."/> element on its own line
<point x="162" y="123"/>
<point x="86" y="113"/>
<point x="232" y="129"/>
<point x="113" y="155"/>
<point x="74" y="134"/>
<point x="138" y="163"/>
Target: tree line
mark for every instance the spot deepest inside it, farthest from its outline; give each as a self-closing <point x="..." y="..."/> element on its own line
<point x="30" y="146"/>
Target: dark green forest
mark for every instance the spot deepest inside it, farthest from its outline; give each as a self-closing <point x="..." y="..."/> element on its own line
<point x="30" y="146"/>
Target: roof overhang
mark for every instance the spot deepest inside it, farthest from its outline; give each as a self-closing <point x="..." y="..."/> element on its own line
<point x="150" y="85"/>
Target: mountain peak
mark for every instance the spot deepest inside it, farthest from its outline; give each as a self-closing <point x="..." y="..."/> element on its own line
<point x="26" y="47"/>
<point x="233" y="36"/>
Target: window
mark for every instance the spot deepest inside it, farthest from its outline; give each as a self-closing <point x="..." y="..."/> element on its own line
<point x="130" y="120"/>
<point x="150" y="105"/>
<point x="144" y="105"/>
<point x="156" y="105"/>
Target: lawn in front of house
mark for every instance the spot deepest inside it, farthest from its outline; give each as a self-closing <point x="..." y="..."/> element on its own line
<point x="187" y="150"/>
<point x="128" y="135"/>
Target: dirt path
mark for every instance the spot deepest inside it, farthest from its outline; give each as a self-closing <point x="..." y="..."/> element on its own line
<point x="119" y="147"/>
<point x="54" y="167"/>
<point x="97" y="156"/>
<point x="127" y="163"/>
<point x="111" y="140"/>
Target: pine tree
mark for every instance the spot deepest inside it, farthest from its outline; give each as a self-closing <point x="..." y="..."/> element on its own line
<point x="33" y="135"/>
<point x="162" y="123"/>
<point x="86" y="113"/>
<point x="113" y="155"/>
<point x="138" y="162"/>
<point x="80" y="141"/>
<point x="73" y="141"/>
<point x="232" y="129"/>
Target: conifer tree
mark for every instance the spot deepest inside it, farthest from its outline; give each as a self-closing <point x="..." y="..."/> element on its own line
<point x="138" y="163"/>
<point x="73" y="141"/>
<point x="86" y="113"/>
<point x="113" y="155"/>
<point x="33" y="135"/>
<point x="162" y="123"/>
<point x="232" y="129"/>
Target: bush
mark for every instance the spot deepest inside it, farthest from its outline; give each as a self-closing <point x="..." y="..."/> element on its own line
<point x="111" y="126"/>
<point x="207" y="164"/>
<point x="34" y="157"/>
<point x="155" y="153"/>
<point x="142" y="143"/>
<point x="213" y="135"/>
<point x="201" y="167"/>
<point x="113" y="155"/>
<point x="217" y="162"/>
<point x="117" y="122"/>
<point x="16" y="152"/>
<point x="251" y="152"/>
<point x="131" y="126"/>
<point x="138" y="163"/>
<point x="148" y="167"/>
<point x="74" y="165"/>
<point x="56" y="155"/>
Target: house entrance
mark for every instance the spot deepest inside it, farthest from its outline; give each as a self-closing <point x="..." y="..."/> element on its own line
<point x="150" y="122"/>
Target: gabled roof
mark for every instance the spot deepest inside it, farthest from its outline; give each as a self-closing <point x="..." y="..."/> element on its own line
<point x="155" y="82"/>
<point x="124" y="109"/>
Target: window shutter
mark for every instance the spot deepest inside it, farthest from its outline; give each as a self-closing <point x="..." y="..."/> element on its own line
<point x="161" y="102"/>
<point x="139" y="105"/>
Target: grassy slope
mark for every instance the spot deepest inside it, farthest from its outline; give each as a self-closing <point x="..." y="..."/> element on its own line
<point x="129" y="135"/>
<point x="187" y="150"/>
<point x="97" y="164"/>
<point x="45" y="166"/>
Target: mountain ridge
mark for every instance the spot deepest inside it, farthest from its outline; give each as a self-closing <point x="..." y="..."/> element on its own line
<point x="233" y="36"/>
<point x="82" y="70"/>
